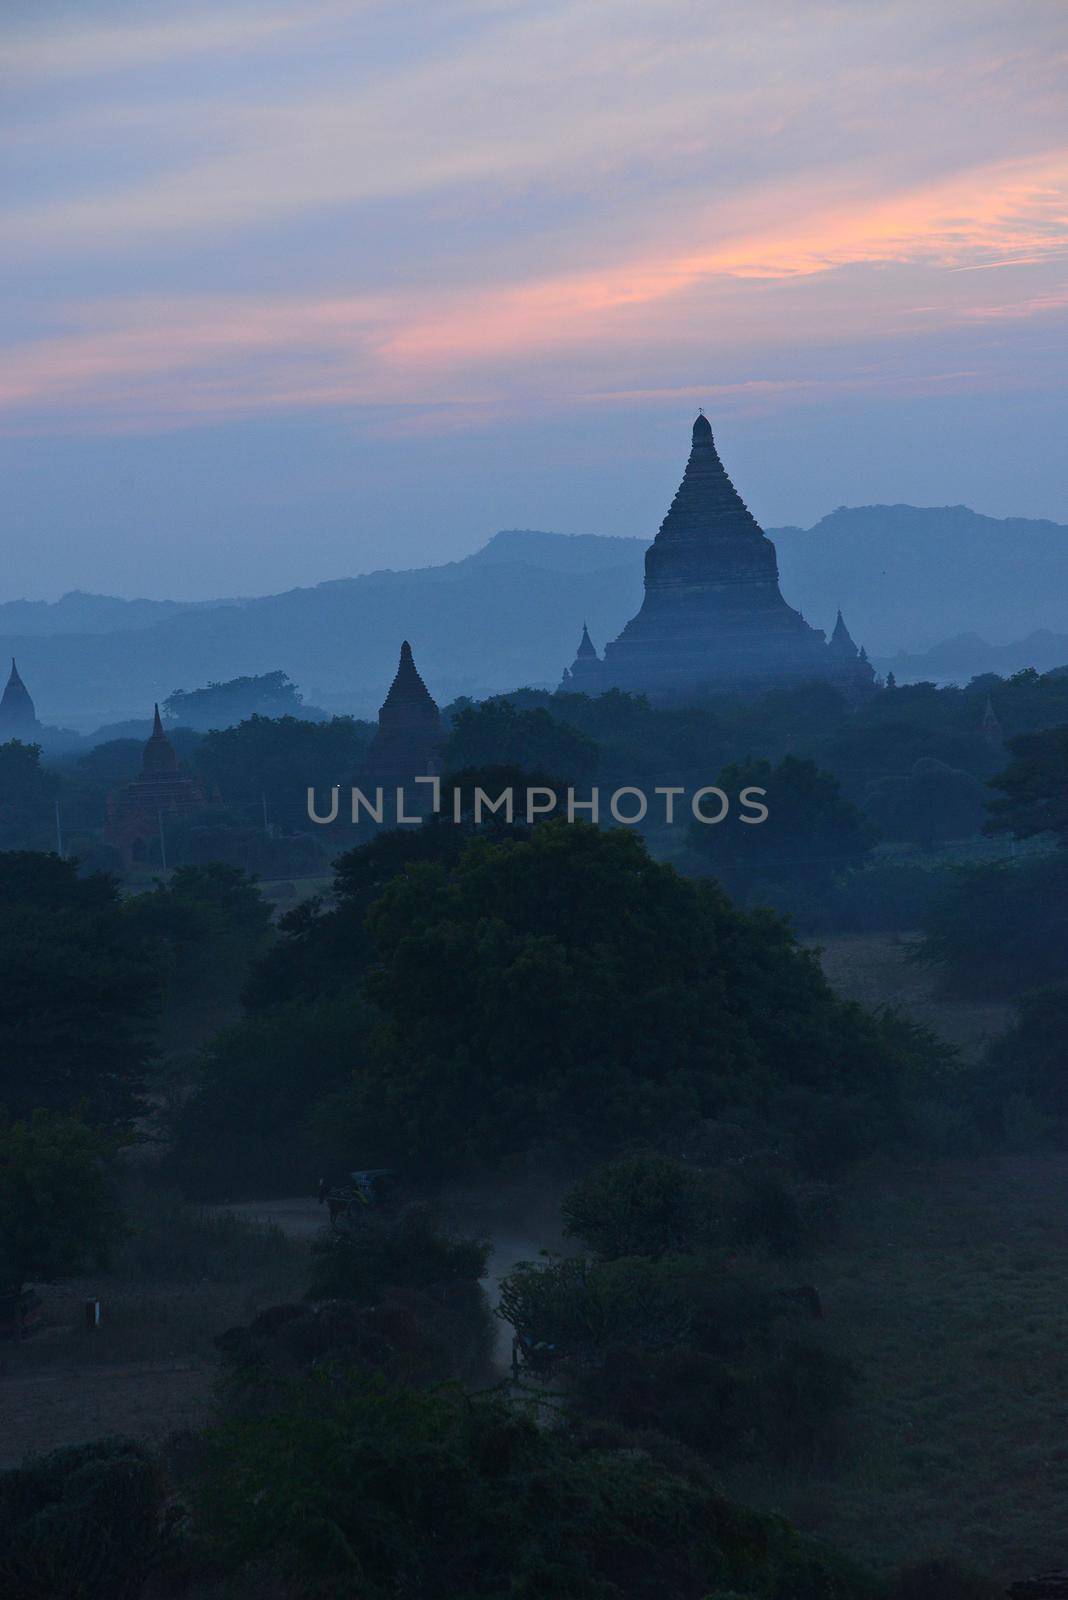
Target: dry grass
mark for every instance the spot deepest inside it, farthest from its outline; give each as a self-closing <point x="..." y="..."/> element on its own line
<point x="874" y="968"/>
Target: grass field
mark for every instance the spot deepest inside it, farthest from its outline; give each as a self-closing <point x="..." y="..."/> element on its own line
<point x="948" y="1289"/>
<point x="876" y="970"/>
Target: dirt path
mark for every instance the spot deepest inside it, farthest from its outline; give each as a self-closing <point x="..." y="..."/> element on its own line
<point x="55" y="1406"/>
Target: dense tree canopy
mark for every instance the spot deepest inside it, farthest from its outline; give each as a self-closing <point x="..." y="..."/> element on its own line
<point x="1034" y="787"/>
<point x="58" y="1212"/>
<point x="566" y="992"/>
<point x="278" y="758"/>
<point x="27" y="798"/>
<point x="77" y="992"/>
<point x="810" y="833"/>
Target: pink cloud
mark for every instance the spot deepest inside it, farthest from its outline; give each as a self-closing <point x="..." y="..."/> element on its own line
<point x="180" y="361"/>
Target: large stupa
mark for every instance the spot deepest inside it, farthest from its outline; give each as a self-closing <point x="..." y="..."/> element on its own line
<point x="713" y="617"/>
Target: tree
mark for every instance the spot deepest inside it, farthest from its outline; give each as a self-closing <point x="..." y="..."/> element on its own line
<point x="27" y="798"/>
<point x="206" y="927"/>
<point x="810" y="835"/>
<point x="643" y="1205"/>
<point x="1028" y="1059"/>
<point x="1034" y="787"/>
<point x="58" y="1212"/>
<point x="564" y="993"/>
<point x="933" y="803"/>
<point x="1000" y="927"/>
<point x="77" y="992"/>
<point x="280" y="758"/>
<point x="220" y="705"/>
<point x="497" y="733"/>
<point x="352" y="1485"/>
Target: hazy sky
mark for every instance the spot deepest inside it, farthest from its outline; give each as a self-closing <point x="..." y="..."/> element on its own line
<point x="294" y="289"/>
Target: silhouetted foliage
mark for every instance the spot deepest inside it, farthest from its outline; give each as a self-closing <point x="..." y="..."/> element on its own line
<point x="1001" y="927"/>
<point x="1034" y="787"/>
<point x="58" y="1211"/>
<point x="27" y="798"/>
<point x="84" y="1522"/>
<point x="441" y="1495"/>
<point x="564" y="992"/>
<point x="77" y="992"/>
<point x="810" y="833"/>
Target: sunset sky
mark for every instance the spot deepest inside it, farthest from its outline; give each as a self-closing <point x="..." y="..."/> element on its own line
<point x="292" y="291"/>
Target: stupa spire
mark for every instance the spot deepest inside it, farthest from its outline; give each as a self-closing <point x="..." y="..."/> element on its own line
<point x="841" y="638"/>
<point x="160" y="755"/>
<point x="18" y="717"/>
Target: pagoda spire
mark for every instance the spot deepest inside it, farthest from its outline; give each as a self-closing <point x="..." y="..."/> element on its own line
<point x="160" y="755"/>
<point x="586" y="646"/>
<point x="18" y="716"/>
<point x="841" y="638"/>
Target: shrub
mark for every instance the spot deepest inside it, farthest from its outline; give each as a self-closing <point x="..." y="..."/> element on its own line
<point x="1001" y="928"/>
<point x="356" y="1486"/>
<point x="58" y="1210"/>
<point x="942" y="1578"/>
<point x="411" y="1251"/>
<point x="83" y="1523"/>
<point x="644" y="1205"/>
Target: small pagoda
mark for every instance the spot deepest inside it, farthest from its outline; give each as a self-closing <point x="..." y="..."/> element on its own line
<point x="585" y="667"/>
<point x="137" y="814"/>
<point x="18" y="716"/>
<point x="407" y="742"/>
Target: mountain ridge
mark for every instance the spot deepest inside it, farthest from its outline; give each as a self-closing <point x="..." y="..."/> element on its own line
<point x="511" y="613"/>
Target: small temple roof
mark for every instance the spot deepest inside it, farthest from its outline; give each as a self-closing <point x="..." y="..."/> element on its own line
<point x="586" y="646"/>
<point x="160" y="754"/>
<point x="841" y="637"/>
<point x="15" y="703"/>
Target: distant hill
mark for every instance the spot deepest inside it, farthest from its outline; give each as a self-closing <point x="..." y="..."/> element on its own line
<point x="965" y="657"/>
<point x="77" y="612"/>
<point x="487" y="623"/>
<point x="511" y="613"/>
<point x="909" y="576"/>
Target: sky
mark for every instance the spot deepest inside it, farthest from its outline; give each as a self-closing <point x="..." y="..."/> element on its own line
<point x="298" y="289"/>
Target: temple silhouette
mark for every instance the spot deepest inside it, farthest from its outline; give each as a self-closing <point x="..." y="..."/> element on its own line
<point x="407" y="741"/>
<point x="18" y="716"/>
<point x="713" y="617"/>
<point x="137" y="813"/>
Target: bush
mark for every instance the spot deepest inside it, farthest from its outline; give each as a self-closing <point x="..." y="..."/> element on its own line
<point x="83" y="1523"/>
<point x="1001" y="928"/>
<point x="1026" y="1067"/>
<point x="244" y="1129"/>
<point x="411" y="1251"/>
<point x="357" y="1486"/>
<point x="943" y="1578"/>
<point x="644" y="1205"/>
<point x="58" y="1210"/>
<point x="168" y="1241"/>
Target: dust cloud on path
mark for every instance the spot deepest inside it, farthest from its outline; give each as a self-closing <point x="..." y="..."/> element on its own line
<point x="496" y="1218"/>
